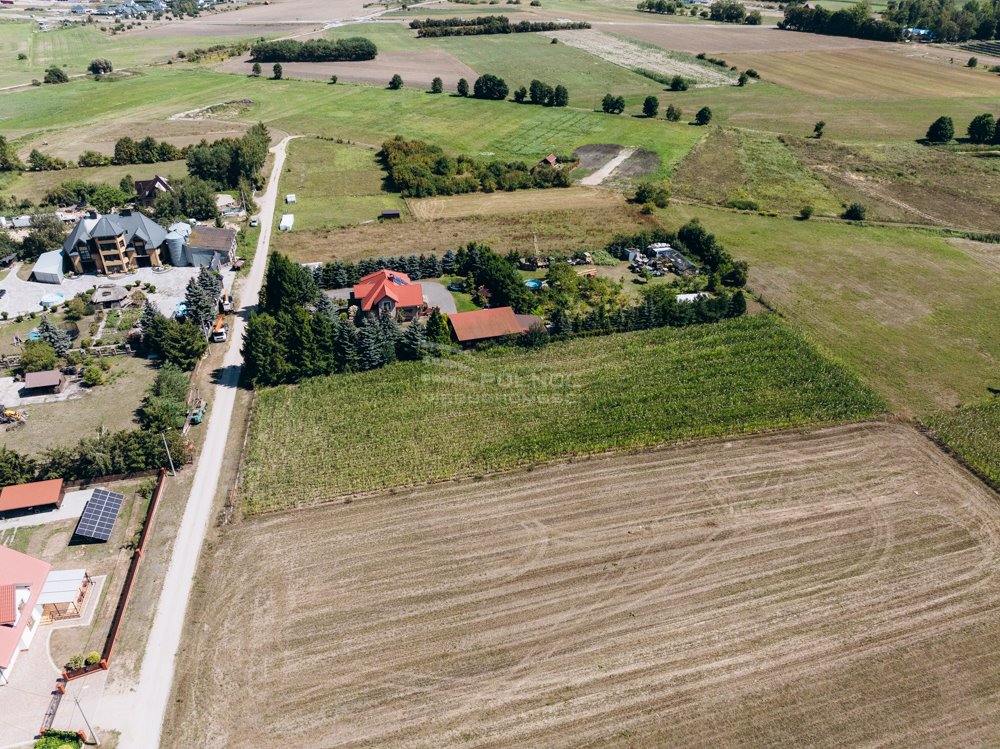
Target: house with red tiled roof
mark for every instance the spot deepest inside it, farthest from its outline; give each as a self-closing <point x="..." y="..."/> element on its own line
<point x="487" y="324"/>
<point x="21" y="581"/>
<point x="388" y="292"/>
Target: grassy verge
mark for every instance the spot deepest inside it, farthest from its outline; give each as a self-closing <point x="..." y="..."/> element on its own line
<point x="973" y="431"/>
<point x="475" y="414"/>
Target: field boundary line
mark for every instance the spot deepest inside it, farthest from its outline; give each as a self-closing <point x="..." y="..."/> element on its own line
<point x="885" y="419"/>
<point x="948" y="450"/>
<point x="233" y="499"/>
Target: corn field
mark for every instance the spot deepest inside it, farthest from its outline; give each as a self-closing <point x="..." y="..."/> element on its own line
<point x="473" y="414"/>
<point x="973" y="431"/>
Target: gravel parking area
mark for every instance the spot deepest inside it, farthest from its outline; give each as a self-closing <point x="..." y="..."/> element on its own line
<point x="25" y="296"/>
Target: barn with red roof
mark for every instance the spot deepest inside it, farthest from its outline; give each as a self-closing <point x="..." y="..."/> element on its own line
<point x="389" y="293"/>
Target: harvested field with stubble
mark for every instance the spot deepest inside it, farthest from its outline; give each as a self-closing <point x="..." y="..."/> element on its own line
<point x="837" y="586"/>
<point x="521" y="201"/>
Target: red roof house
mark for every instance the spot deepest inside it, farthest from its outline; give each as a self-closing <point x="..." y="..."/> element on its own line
<point x="21" y="581"/>
<point x="388" y="292"/>
<point x="484" y="324"/>
<point x="38" y="494"/>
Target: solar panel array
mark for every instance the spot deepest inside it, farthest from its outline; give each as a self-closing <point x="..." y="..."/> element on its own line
<point x="99" y="516"/>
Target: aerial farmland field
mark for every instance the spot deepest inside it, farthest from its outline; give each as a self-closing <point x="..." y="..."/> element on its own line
<point x="838" y="586"/>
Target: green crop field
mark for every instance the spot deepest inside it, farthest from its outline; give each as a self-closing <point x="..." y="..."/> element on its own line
<point x="518" y="58"/>
<point x="974" y="432"/>
<point x="473" y="414"/>
<point x="912" y="313"/>
<point x="335" y="185"/>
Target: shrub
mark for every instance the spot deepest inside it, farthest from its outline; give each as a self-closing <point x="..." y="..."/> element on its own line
<point x="982" y="128"/>
<point x="333" y="79"/>
<point x="673" y="113"/>
<point x="278" y="71"/>
<point x="93" y="376"/>
<point x="650" y="106"/>
<point x="396" y="82"/>
<point x="657" y="195"/>
<point x="22" y="56"/>
<point x="678" y="84"/>
<point x="77" y="661"/>
<point x="462" y="89"/>
<point x="972" y="63"/>
<point x="93" y="658"/>
<point x="753" y="73"/>
<point x="100" y="66"/>
<point x="855" y="212"/>
<point x="742" y="80"/>
<point x="437" y="86"/>
<point x="491" y="87"/>
<point x="704" y="116"/>
<point x="806" y="212"/>
<point x="942" y="130"/>
<point x="55" y="74"/>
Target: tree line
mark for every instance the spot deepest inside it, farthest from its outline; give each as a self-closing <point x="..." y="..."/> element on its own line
<point x="853" y="22"/>
<point x="948" y="20"/>
<point x="340" y="274"/>
<point x="314" y="50"/>
<point x="419" y="169"/>
<point x="232" y="162"/>
<point x="436" y="27"/>
<point x="543" y="94"/>
<point x="982" y="129"/>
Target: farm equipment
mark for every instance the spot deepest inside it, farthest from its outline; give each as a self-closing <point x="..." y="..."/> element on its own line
<point x="13" y="417"/>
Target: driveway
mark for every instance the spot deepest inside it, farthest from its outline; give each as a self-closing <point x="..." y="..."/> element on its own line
<point x="24" y="296"/>
<point x="435" y="294"/>
<point x="71" y="508"/>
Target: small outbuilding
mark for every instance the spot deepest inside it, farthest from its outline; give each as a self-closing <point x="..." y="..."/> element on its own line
<point x="110" y="296"/>
<point x="290" y="198"/>
<point x="287" y="221"/>
<point x="486" y="324"/>
<point x="49" y="381"/>
<point x="64" y="594"/>
<point x="49" y="267"/>
<point x="390" y="215"/>
<point x="38" y="496"/>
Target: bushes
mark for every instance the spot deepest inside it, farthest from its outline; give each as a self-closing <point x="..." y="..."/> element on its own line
<point x="396" y="82"/>
<point x="982" y="128"/>
<point x="437" y="27"/>
<point x="419" y="169"/>
<point x="314" y="50"/>
<point x="613" y="104"/>
<point x="704" y="116"/>
<point x="100" y="66"/>
<point x="855" y="212"/>
<point x="673" y="114"/>
<point x="728" y="11"/>
<point x="229" y="160"/>
<point x="145" y="151"/>
<point x="677" y="83"/>
<point x="942" y="130"/>
<point x="658" y="195"/>
<point x="490" y="87"/>
<point x="650" y="106"/>
<point x="55" y="75"/>
<point x="546" y="95"/>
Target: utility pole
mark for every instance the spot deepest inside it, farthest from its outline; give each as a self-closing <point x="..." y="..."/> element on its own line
<point x="169" y="456"/>
<point x="90" y="730"/>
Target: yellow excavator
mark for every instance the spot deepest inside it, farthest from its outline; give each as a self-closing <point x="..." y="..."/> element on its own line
<point x="13" y="416"/>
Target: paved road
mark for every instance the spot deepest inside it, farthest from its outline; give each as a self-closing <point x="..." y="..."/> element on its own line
<point x="140" y="714"/>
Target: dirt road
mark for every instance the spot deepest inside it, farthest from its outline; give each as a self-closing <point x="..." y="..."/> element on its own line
<point x="139" y="714"/>
<point x="592" y="180"/>
<point x="832" y="588"/>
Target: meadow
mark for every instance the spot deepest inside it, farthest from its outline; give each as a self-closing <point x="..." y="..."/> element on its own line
<point x="364" y="114"/>
<point x="912" y="313"/>
<point x="518" y="58"/>
<point x="335" y="184"/>
<point x="35" y="185"/>
<point x="476" y="414"/>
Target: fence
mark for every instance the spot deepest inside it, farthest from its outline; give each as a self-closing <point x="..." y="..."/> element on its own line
<point x="80" y="483"/>
<point x="126" y="594"/>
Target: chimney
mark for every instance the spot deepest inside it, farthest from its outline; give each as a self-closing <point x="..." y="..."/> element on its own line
<point x="91" y="213"/>
<point x="125" y="212"/>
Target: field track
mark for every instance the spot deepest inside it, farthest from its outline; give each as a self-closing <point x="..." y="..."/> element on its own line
<point x="830" y="588"/>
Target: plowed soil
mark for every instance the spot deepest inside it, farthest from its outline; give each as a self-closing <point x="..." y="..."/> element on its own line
<point x="833" y="588"/>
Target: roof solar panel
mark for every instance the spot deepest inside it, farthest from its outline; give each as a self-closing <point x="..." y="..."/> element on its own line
<point x="99" y="516"/>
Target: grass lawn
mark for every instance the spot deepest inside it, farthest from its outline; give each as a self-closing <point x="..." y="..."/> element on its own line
<point x="35" y="185"/>
<point x="974" y="432"/>
<point x="485" y="412"/>
<point x="912" y="313"/>
<point x="518" y="58"/>
<point x="334" y="184"/>
<point x="110" y="406"/>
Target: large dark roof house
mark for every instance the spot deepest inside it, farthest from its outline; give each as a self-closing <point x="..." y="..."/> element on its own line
<point x="147" y="190"/>
<point x="114" y="243"/>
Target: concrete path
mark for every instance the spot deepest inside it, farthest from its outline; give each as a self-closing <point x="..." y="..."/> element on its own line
<point x="139" y="714"/>
<point x="592" y="180"/>
<point x="71" y="508"/>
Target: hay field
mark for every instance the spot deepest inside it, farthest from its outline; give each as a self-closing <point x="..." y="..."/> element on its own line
<point x="521" y="201"/>
<point x="418" y="68"/>
<point x="695" y="38"/>
<point x="833" y="588"/>
<point x="885" y="72"/>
